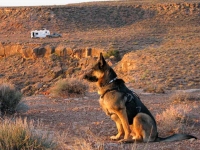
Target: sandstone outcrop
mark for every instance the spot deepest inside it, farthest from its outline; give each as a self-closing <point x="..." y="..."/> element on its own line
<point x="33" y="51"/>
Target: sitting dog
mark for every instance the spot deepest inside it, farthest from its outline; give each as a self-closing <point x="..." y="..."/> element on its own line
<point x="132" y="118"/>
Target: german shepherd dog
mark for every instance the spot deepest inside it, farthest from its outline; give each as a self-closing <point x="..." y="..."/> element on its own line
<point x="132" y="118"/>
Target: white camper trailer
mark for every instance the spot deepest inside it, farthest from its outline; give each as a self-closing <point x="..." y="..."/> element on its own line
<point x="40" y="33"/>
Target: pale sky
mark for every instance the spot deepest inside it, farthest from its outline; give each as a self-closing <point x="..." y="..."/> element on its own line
<point x="40" y="2"/>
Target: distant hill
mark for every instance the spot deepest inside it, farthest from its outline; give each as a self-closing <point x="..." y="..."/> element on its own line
<point x="159" y="42"/>
<point x="130" y="25"/>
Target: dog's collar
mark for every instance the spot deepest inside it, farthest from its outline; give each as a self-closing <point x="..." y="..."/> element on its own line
<point x="112" y="80"/>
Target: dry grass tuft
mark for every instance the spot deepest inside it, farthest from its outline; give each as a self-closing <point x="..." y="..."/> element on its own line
<point x="20" y="134"/>
<point x="85" y="139"/>
<point x="154" y="89"/>
<point x="9" y="98"/>
<point x="180" y="97"/>
<point x="88" y="144"/>
<point x="173" y="119"/>
<point x="69" y="87"/>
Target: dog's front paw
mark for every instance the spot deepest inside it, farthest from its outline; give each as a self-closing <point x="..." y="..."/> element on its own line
<point x="116" y="137"/>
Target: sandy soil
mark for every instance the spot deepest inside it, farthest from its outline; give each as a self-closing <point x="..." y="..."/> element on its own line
<point x="84" y="121"/>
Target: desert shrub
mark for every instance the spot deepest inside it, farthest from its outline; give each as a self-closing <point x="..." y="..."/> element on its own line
<point x="173" y="119"/>
<point x="69" y="87"/>
<point x="179" y="97"/>
<point x="88" y="141"/>
<point x="19" y="134"/>
<point x="88" y="144"/>
<point x="9" y="98"/>
<point x="112" y="52"/>
<point x="154" y="89"/>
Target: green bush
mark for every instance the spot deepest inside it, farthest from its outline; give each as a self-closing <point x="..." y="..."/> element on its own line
<point x="19" y="134"/>
<point x="114" y="53"/>
<point x="69" y="87"/>
<point x="9" y="98"/>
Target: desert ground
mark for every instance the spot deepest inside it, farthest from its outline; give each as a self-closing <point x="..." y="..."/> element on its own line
<point x="87" y="127"/>
<point x="159" y="47"/>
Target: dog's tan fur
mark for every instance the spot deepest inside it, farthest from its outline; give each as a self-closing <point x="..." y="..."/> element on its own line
<point x="113" y="103"/>
<point x="143" y="127"/>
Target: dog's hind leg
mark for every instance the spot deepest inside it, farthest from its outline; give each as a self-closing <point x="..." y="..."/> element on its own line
<point x="120" y="129"/>
<point x="144" y="128"/>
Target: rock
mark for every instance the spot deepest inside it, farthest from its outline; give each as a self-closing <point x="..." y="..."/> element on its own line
<point x="56" y="71"/>
<point x="70" y="70"/>
<point x="27" y="50"/>
<point x="37" y="86"/>
<point x="38" y="52"/>
<point x="69" y="51"/>
<point x="61" y="50"/>
<point x="47" y="78"/>
<point x="86" y="62"/>
<point x="49" y="50"/>
<point x="2" y="51"/>
<point x="26" y="89"/>
<point x="22" y="107"/>
<point x="111" y="63"/>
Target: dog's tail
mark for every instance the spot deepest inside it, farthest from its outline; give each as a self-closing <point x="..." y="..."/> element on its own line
<point x="175" y="137"/>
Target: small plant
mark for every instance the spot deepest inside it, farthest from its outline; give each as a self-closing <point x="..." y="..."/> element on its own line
<point x="112" y="52"/>
<point x="179" y="97"/>
<point x="9" y="98"/>
<point x="20" y="134"/>
<point x="69" y="87"/>
<point x="173" y="119"/>
<point x="154" y="89"/>
<point x="89" y="141"/>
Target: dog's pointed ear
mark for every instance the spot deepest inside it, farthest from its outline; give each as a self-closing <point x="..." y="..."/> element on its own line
<point x="102" y="61"/>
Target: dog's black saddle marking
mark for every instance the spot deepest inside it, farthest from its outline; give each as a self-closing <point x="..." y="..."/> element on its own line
<point x="131" y="96"/>
<point x="132" y="106"/>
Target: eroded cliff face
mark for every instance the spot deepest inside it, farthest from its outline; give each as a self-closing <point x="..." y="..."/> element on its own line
<point x="34" y="51"/>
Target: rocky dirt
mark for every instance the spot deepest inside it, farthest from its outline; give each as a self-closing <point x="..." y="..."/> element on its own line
<point x="159" y="44"/>
<point x="87" y="126"/>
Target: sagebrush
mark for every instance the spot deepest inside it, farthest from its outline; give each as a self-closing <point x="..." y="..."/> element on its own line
<point x="114" y="53"/>
<point x="182" y="96"/>
<point x="69" y="87"/>
<point x="154" y="89"/>
<point x="19" y="134"/>
<point x="9" y="98"/>
<point x="173" y="119"/>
